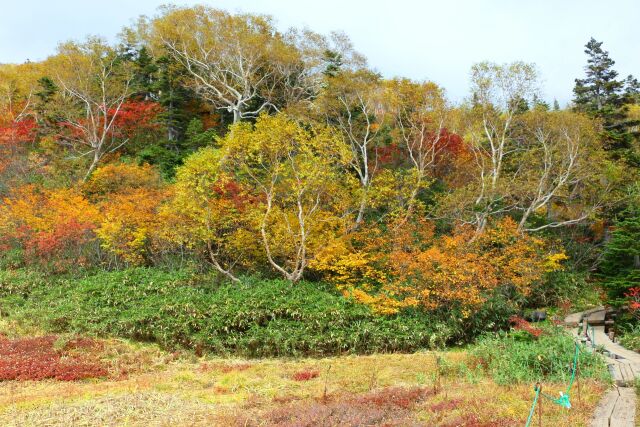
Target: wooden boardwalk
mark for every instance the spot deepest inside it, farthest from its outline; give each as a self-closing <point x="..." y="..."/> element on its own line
<point x="618" y="407"/>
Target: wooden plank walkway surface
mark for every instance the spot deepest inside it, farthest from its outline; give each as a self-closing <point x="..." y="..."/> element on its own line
<point x="618" y="407"/>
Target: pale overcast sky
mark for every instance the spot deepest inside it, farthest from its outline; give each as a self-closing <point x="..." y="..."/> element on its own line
<point x="435" y="40"/>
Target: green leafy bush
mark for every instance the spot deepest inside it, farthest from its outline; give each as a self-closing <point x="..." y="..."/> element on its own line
<point x="19" y="283"/>
<point x="257" y="318"/>
<point x="630" y="336"/>
<point x="518" y="356"/>
<point x="11" y="258"/>
<point x="559" y="287"/>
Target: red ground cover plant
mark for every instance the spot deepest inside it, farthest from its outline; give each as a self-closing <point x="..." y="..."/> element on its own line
<point x="35" y="359"/>
<point x="521" y="324"/>
<point x="446" y="405"/>
<point x="397" y="397"/>
<point x="472" y="420"/>
<point x="390" y="406"/>
<point x="305" y="375"/>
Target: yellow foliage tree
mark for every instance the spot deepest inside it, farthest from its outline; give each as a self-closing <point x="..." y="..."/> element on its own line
<point x="209" y="212"/>
<point x="296" y="174"/>
<point x="128" y="198"/>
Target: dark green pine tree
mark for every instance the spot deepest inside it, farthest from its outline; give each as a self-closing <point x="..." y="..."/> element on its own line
<point x="540" y="104"/>
<point x="334" y="63"/>
<point x="556" y="105"/>
<point x="145" y="79"/>
<point x="632" y="90"/>
<point x="519" y="105"/>
<point x="620" y="266"/>
<point x="174" y="97"/>
<point x="602" y="95"/>
<point x="599" y="89"/>
<point x="159" y="80"/>
<point x="44" y="94"/>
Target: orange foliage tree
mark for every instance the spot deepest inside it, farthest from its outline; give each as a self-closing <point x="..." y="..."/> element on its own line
<point x="52" y="227"/>
<point x="398" y="267"/>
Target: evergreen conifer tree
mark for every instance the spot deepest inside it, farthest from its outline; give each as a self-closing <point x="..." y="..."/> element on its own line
<point x="602" y="95"/>
<point x="620" y="266"/>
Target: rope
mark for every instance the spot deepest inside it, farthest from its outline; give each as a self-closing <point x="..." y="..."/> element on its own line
<point x="533" y="406"/>
<point x="575" y="365"/>
<point x="563" y="400"/>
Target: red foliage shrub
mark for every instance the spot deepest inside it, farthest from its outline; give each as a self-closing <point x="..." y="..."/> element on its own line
<point x="633" y="298"/>
<point x="389" y="155"/>
<point x="135" y="117"/>
<point x="35" y="359"/>
<point x="305" y="375"/>
<point x="20" y="131"/>
<point x="42" y="243"/>
<point x="450" y="144"/>
<point x="521" y="324"/>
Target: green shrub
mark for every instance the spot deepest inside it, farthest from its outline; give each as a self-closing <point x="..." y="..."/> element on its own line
<point x="630" y="336"/>
<point x="19" y="283"/>
<point x="492" y="316"/>
<point x="257" y="318"/>
<point x="11" y="258"/>
<point x="561" y="286"/>
<point x="517" y="356"/>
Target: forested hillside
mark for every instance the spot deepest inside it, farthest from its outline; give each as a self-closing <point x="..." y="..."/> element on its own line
<point x="220" y="155"/>
<point x="212" y="220"/>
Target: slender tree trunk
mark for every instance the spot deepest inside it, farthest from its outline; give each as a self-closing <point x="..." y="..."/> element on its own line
<point x="363" y="205"/>
<point x="218" y="267"/>
<point x="94" y="164"/>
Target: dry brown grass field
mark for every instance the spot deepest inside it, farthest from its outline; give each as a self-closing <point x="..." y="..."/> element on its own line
<point x="146" y="386"/>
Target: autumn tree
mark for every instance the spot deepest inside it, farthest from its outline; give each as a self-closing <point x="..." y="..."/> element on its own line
<point x="352" y="103"/>
<point x="212" y="213"/>
<point x="419" y="114"/>
<point x="127" y="198"/>
<point x="238" y="63"/>
<point x="95" y="82"/>
<point x="525" y="162"/>
<point x="51" y="227"/>
<point x="495" y="90"/>
<point x="559" y="164"/>
<point x="296" y="174"/>
<point x="393" y="268"/>
<point x="18" y="118"/>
